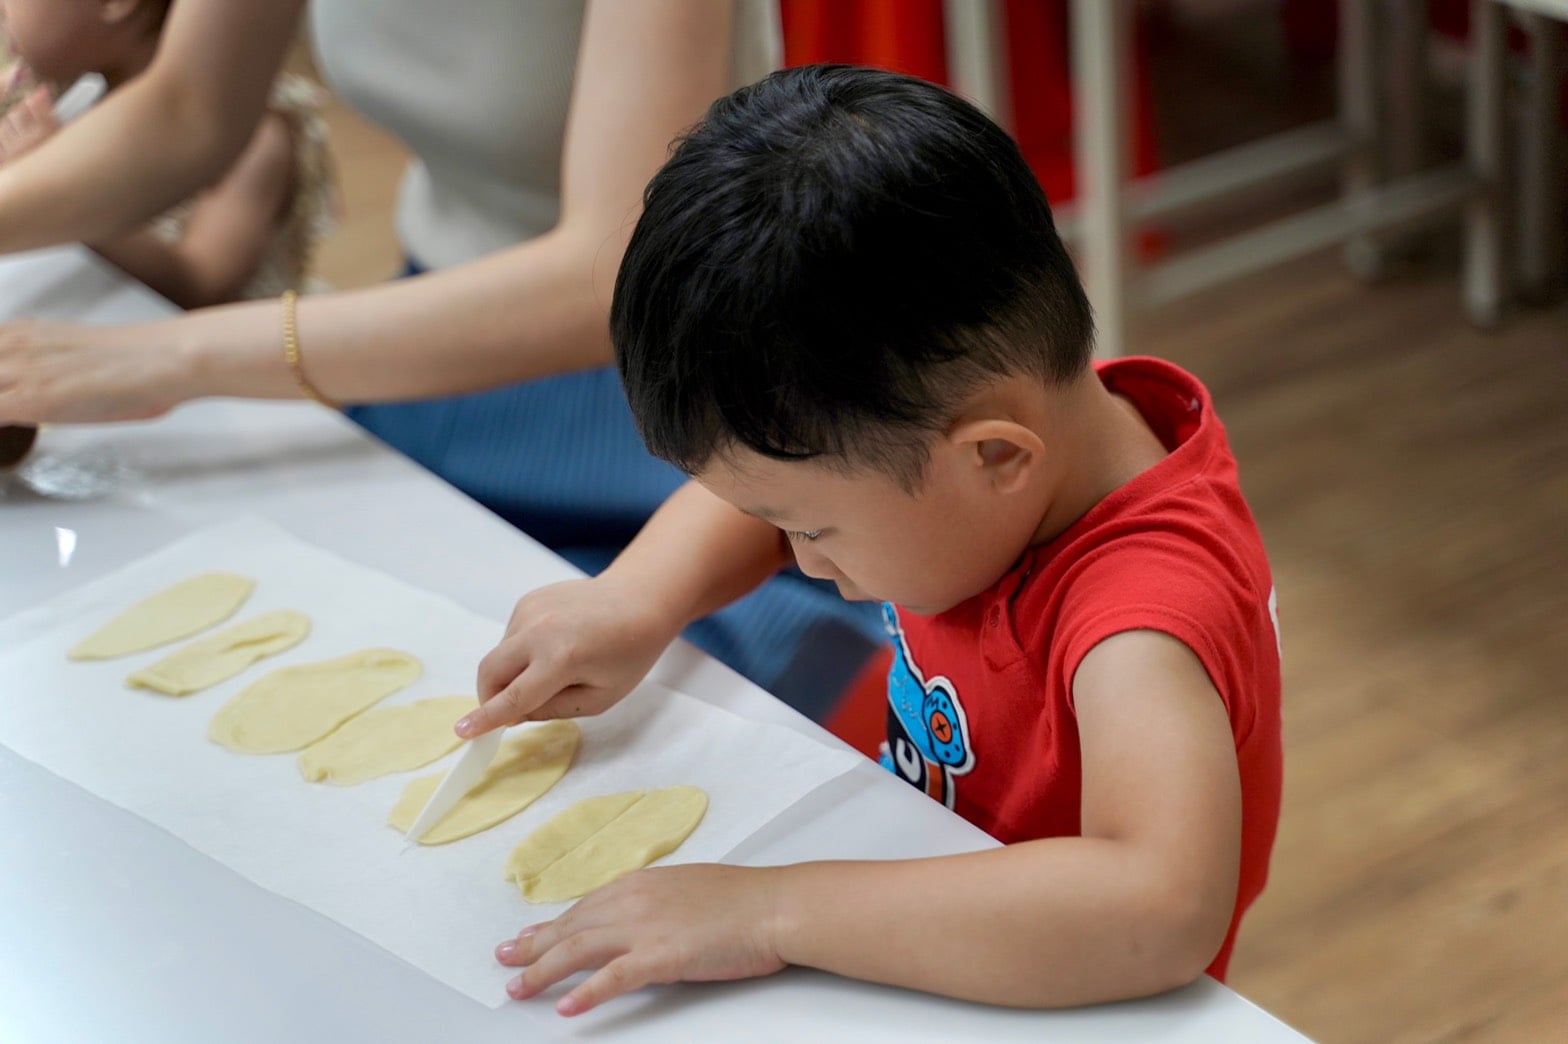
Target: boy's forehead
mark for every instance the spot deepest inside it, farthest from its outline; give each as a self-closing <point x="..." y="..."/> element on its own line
<point x="768" y="488"/>
<point x="744" y="485"/>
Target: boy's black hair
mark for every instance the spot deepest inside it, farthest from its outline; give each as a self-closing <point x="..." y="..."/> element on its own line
<point x="829" y="265"/>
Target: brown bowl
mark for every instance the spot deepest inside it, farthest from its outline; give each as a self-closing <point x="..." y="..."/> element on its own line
<point x="15" y="441"/>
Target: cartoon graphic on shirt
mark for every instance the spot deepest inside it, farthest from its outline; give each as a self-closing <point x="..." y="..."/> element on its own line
<point x="927" y="730"/>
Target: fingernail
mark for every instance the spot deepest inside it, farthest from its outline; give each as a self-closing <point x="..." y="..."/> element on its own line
<point x="506" y="950"/>
<point x="568" y="1005"/>
<point x="515" y="987"/>
<point x="526" y="932"/>
<point x="466" y="725"/>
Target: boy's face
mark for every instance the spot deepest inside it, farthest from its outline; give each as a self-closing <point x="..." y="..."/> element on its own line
<point x="926" y="551"/>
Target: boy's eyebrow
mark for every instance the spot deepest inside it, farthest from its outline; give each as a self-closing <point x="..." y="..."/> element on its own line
<point x="766" y="514"/>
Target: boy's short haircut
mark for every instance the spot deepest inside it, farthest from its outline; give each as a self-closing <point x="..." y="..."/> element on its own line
<point x="830" y="263"/>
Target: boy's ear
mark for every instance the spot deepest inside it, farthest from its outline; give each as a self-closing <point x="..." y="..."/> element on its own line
<point x="1004" y="453"/>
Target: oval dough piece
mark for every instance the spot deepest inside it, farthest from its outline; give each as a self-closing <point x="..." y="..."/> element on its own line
<point x="600" y="839"/>
<point x="524" y="769"/>
<point x="187" y="608"/>
<point x="206" y="662"/>
<point x="294" y="706"/>
<point x="564" y="832"/>
<point x="386" y="740"/>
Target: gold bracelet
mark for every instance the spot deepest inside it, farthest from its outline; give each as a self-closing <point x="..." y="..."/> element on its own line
<point x="291" y="352"/>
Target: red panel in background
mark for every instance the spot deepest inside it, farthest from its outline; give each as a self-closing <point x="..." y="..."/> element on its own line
<point x="902" y="35"/>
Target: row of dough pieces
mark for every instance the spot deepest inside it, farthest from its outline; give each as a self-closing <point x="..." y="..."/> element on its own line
<point x="321" y="710"/>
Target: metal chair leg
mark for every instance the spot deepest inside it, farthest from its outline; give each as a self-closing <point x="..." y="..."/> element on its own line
<point x="1483" y="268"/>
<point x="1539" y="233"/>
<point x="1102" y="52"/>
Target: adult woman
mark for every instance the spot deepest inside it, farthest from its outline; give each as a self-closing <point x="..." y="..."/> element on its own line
<point x="536" y="126"/>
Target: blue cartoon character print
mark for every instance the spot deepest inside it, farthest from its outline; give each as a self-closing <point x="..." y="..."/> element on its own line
<point x="927" y="731"/>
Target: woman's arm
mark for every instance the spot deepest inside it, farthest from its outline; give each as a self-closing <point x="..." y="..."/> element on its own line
<point x="647" y="70"/>
<point x="167" y="134"/>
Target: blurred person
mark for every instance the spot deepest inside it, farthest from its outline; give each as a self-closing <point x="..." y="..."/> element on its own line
<point x="534" y="128"/>
<point x="250" y="233"/>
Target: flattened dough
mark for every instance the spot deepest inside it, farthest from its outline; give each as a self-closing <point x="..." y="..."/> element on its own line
<point x="208" y="661"/>
<point x="187" y="608"/>
<point x="294" y="706"/>
<point x="524" y="769"/>
<point x="386" y="740"/>
<point x="600" y="839"/>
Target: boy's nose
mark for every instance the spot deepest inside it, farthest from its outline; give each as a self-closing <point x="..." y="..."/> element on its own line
<point x="816" y="565"/>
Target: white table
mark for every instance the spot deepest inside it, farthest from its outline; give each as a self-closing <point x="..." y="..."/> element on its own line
<point x="112" y="929"/>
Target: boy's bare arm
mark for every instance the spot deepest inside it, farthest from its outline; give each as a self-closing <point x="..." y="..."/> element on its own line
<point x="228" y="231"/>
<point x="577" y="647"/>
<point x="1137" y="905"/>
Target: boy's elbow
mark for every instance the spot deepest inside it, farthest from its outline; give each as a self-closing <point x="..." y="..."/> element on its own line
<point x="1191" y="928"/>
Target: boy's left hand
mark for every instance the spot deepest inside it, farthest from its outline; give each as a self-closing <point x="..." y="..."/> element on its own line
<point x="29" y="122"/>
<point x="700" y="922"/>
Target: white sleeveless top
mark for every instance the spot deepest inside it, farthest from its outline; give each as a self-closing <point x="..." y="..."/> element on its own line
<point x="478" y="91"/>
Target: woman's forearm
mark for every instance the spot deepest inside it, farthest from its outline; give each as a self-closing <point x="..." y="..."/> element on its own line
<point x="526" y="312"/>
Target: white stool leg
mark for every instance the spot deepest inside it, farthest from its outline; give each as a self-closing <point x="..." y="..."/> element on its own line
<point x="1101" y="68"/>
<point x="1538" y="231"/>
<point x="1483" y="271"/>
<point x="977" y="55"/>
<point x="1407" y="88"/>
<point x="1361" y="114"/>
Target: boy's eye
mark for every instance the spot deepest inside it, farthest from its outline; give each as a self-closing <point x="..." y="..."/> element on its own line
<point x="803" y="534"/>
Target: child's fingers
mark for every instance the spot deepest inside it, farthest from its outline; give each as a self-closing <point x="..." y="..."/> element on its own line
<point x="518" y="950"/>
<point x="622" y="975"/>
<point x="500" y="667"/>
<point x="511" y="705"/>
<point x="24" y="117"/>
<point x="40" y="107"/>
<point x="29" y="122"/>
<point x="576" y="952"/>
<point x="9" y="136"/>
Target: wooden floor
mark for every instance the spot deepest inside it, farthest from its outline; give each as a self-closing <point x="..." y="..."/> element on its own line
<point x="1410" y="475"/>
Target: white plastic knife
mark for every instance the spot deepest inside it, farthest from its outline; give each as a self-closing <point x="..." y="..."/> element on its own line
<point x="470" y="766"/>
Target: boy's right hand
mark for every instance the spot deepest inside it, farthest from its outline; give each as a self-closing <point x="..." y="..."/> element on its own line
<point x="571" y="649"/>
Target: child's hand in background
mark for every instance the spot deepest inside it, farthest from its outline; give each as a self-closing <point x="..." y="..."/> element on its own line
<point x="698" y="923"/>
<point x="30" y="121"/>
<point x="571" y="649"/>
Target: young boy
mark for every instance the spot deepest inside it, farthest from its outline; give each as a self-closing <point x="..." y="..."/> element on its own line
<point x="846" y="313"/>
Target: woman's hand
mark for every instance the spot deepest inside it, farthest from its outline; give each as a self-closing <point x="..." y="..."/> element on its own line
<point x="571" y="649"/>
<point x="697" y="923"/>
<point x="75" y="373"/>
<point x="29" y="122"/>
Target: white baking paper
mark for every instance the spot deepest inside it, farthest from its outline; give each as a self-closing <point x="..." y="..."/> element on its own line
<point x="442" y="908"/>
